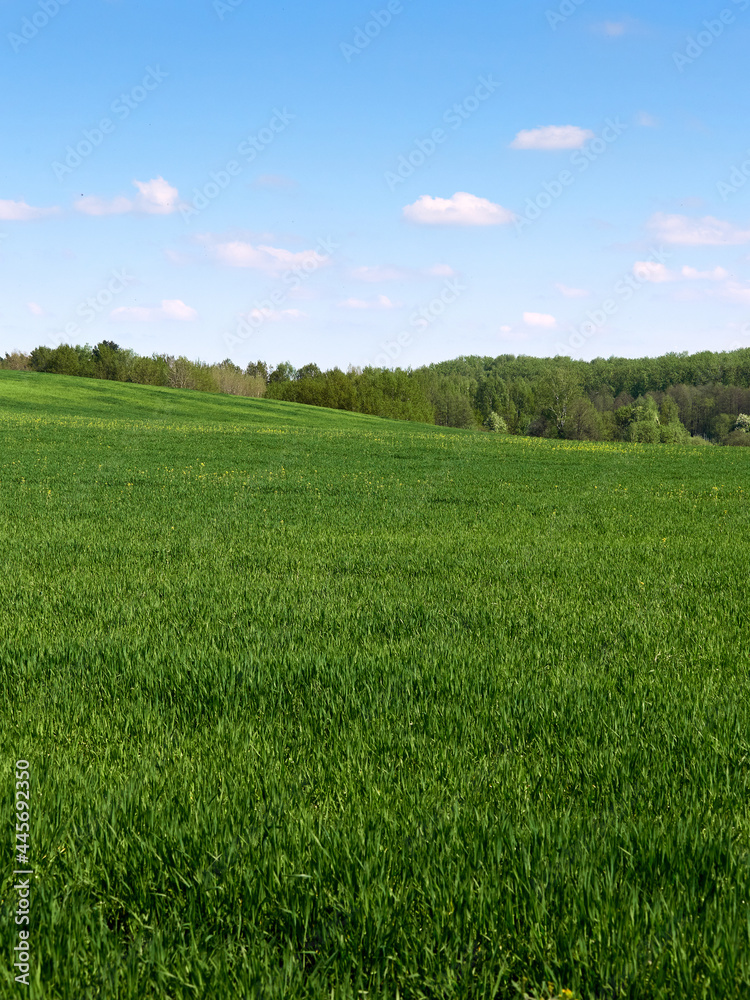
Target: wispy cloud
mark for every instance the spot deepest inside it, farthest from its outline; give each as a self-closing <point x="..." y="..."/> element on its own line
<point x="461" y="209"/>
<point x="652" y="272"/>
<point x="552" y="137"/>
<point x="718" y="283"/>
<point x="708" y="231"/>
<point x="155" y="197"/>
<point x="658" y="274"/>
<point x="377" y="273"/>
<point x="693" y="274"/>
<point x="170" y="309"/>
<point x="613" y="29"/>
<point x="735" y="291"/>
<point x="276" y="315"/>
<point x="380" y="302"/>
<point x="645" y="120"/>
<point x="572" y="293"/>
<point x="19" y="211"/>
<point x="34" y="309"/>
<point x="275" y="182"/>
<point x="539" y="319"/>
<point x="271" y="260"/>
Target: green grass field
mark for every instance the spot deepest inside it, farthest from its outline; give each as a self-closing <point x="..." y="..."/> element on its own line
<point x="320" y="705"/>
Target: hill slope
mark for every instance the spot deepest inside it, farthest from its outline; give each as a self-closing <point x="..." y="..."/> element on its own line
<point x="317" y="703"/>
<point x="67" y="395"/>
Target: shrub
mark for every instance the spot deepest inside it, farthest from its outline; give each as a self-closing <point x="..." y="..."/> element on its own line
<point x="17" y="362"/>
<point x="741" y="438"/>
<point x="495" y="423"/>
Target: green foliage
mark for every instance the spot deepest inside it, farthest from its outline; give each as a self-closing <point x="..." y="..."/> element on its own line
<point x="543" y="397"/>
<point x="322" y="706"/>
<point x="738" y="437"/>
<point x="558" y="391"/>
<point x="16" y="361"/>
<point x="583" y="421"/>
<point x="495" y="423"/>
<point x="285" y="372"/>
<point x="308" y="371"/>
<point x="376" y="391"/>
<point x="257" y="369"/>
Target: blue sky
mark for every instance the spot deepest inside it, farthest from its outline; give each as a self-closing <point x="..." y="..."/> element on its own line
<point x="391" y="183"/>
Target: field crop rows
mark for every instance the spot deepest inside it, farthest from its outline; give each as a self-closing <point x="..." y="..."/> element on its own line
<point x="321" y="705"/>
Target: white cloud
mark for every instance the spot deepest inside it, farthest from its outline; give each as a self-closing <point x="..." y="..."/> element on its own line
<point x="572" y="293"/>
<point x="439" y="271"/>
<point x="613" y="28"/>
<point x="505" y="329"/>
<point x="19" y="211"/>
<point x="34" y="309"/>
<point x="651" y="271"/>
<point x="706" y="232"/>
<point x="94" y="205"/>
<point x="693" y="274"/>
<point x="616" y="29"/>
<point x="645" y="120"/>
<point x="539" y="319"/>
<point x="381" y="302"/>
<point x="461" y="210"/>
<point x="276" y="315"/>
<point x="170" y="309"/>
<point x="552" y="137"/>
<point x="375" y="274"/>
<point x="272" y="260"/>
<point x="276" y="182"/>
<point x="733" y="291"/>
<point x="155" y="197"/>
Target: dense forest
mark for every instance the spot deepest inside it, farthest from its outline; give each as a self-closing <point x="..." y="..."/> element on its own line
<point x="701" y="397"/>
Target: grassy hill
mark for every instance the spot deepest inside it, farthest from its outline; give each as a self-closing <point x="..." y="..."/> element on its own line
<point x="64" y="395"/>
<point x="322" y="705"/>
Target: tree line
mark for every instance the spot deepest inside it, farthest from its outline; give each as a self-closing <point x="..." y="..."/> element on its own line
<point x="703" y="397"/>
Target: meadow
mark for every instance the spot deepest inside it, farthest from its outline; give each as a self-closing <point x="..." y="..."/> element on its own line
<point x="319" y="705"/>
